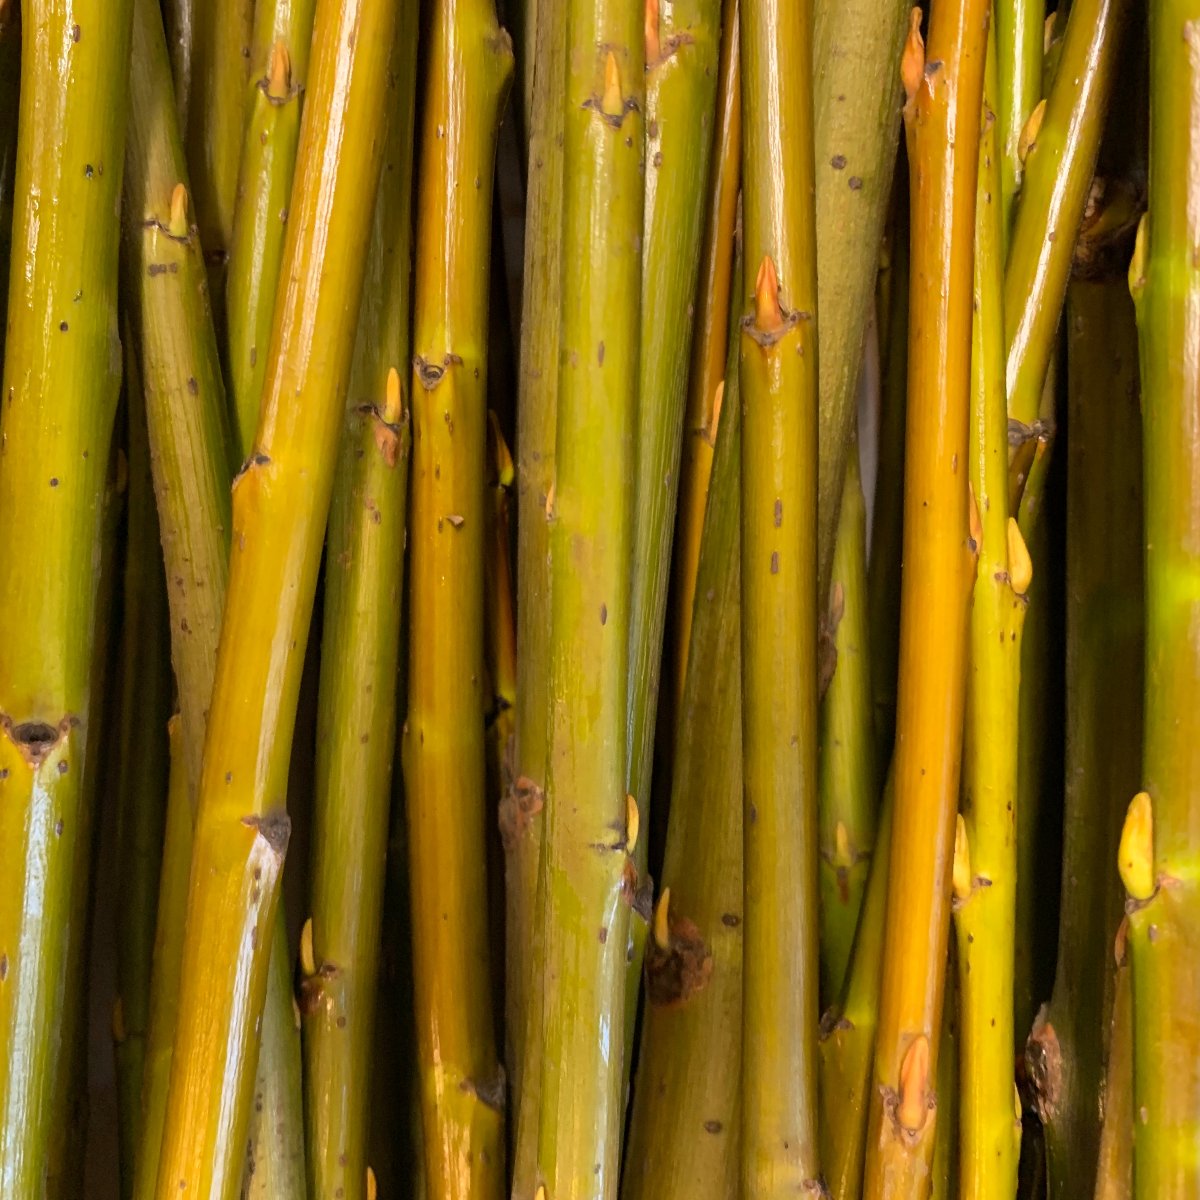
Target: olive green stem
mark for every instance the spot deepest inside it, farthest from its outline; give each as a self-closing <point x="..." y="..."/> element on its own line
<point x="1114" y="1169"/>
<point x="1161" y="838"/>
<point x="1019" y="33"/>
<point x="10" y="85"/>
<point x="521" y="815"/>
<point x="682" y="44"/>
<point x="856" y="110"/>
<point x="143" y="698"/>
<point x="985" y="854"/>
<point x="1065" y="1053"/>
<point x="591" y="829"/>
<point x="360" y="643"/>
<point x="61" y="377"/>
<point x="849" y="788"/>
<point x="279" y="53"/>
<point x="684" y="1136"/>
<point x="779" y="604"/>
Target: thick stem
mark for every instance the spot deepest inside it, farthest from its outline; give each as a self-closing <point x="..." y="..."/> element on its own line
<point x="849" y="787"/>
<point x="10" y="85"/>
<point x="280" y="506"/>
<point x="684" y="1138"/>
<point x="1103" y="735"/>
<point x="521" y="815"/>
<point x="945" y="87"/>
<point x="462" y="1092"/>
<point x="61" y="377"/>
<point x="779" y="388"/>
<point x="586" y="885"/>
<point x="279" y="54"/>
<point x="1161" y="871"/>
<point x="985" y="864"/>
<point x="856" y="99"/>
<point x="360" y="642"/>
<point x="1114" y="1168"/>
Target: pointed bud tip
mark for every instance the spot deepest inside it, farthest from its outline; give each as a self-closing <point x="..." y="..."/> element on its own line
<point x="768" y="316"/>
<point x="178" y="223"/>
<point x="912" y="61"/>
<point x="714" y="418"/>
<point x="1029" y="135"/>
<point x="308" y="962"/>
<point x="1137" y="264"/>
<point x="961" y="872"/>
<point x="393" y="403"/>
<point x="914" y="1079"/>
<point x="651" y="27"/>
<point x="613" y="103"/>
<point x="279" y="78"/>
<point x="632" y="823"/>
<point x="662" y="927"/>
<point x="843" y="853"/>
<point x="1135" y="855"/>
<point x="974" y="524"/>
<point x="372" y="1186"/>
<point x="1020" y="565"/>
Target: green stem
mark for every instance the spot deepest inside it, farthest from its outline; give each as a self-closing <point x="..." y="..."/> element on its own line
<point x="360" y="643"/>
<point x="279" y="54"/>
<point x="1161" y="871"/>
<point x="1019" y="26"/>
<point x="1114" y="1169"/>
<point x="779" y="604"/>
<point x="1103" y="736"/>
<point x="849" y="789"/>
<point x="10" y="86"/>
<point x="856" y="103"/>
<point x="585" y="864"/>
<point x="61" y="378"/>
<point x="685" y="1133"/>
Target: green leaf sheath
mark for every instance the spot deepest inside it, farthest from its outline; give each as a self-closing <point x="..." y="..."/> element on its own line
<point x="62" y="366"/>
<point x="1067" y="1050"/>
<point x="856" y="102"/>
<point x="279" y="54"/>
<point x="683" y="39"/>
<point x="585" y="889"/>
<point x="779" y="604"/>
<point x="1164" y="927"/>
<point x="684" y="1137"/>
<point x="849" y="787"/>
<point x="360" y="642"/>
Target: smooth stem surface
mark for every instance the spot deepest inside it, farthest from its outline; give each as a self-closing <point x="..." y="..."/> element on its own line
<point x="521" y="815"/>
<point x="143" y="698"/>
<point x="279" y="55"/>
<point x="779" y="604"/>
<point x="1164" y="917"/>
<point x="1114" y="1167"/>
<point x="849" y="786"/>
<point x="1019" y="31"/>
<point x="942" y="116"/>
<point x="462" y="1094"/>
<point x="848" y="1031"/>
<point x="856" y="103"/>
<point x="985" y="867"/>
<point x="1066" y="1052"/>
<point x="684" y="1136"/>
<point x="682" y="45"/>
<point x="360" y="644"/>
<point x="1058" y="178"/>
<point x="61" y="377"/>
<point x="280" y="506"/>
<point x="10" y="84"/>
<point x="706" y="380"/>
<point x="586" y="888"/>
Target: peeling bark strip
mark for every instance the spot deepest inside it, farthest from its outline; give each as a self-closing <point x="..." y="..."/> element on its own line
<point x="522" y="802"/>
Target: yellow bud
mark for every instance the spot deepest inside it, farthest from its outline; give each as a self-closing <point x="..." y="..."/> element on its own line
<point x="768" y="316"/>
<point x="914" y="1077"/>
<point x="1137" y="264"/>
<point x="650" y="26"/>
<point x="613" y="103"/>
<point x="372" y="1186"/>
<point x="632" y="822"/>
<point x="392" y="402"/>
<point x="662" y="928"/>
<point x="961" y="872"/>
<point x="1135" y="855"/>
<point x="1020" y="565"/>
<point x="279" y="78"/>
<point x="974" y="524"/>
<point x="178" y="223"/>
<point x="843" y="854"/>
<point x="710" y="434"/>
<point x="912" y="61"/>
<point x="1029" y="134"/>
<point x="308" y="962"/>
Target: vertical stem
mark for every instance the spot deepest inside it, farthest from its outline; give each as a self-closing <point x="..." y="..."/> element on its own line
<point x="280" y="506"/>
<point x="779" y="604"/>
<point x="1162" y="833"/>
<point x="985" y="853"/>
<point x="942" y="116"/>
<point x="685" y="1132"/>
<point x="10" y="91"/>
<point x="586" y="886"/>
<point x="279" y="54"/>
<point x="1019" y="39"/>
<point x="61" y="377"/>
<point x="1114" y="1168"/>
<point x="849" y="788"/>
<point x="462" y="1093"/>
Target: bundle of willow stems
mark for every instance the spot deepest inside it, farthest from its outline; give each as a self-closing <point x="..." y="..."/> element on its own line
<point x="600" y="599"/>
